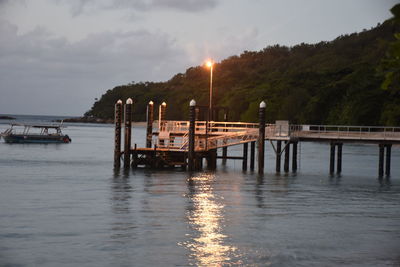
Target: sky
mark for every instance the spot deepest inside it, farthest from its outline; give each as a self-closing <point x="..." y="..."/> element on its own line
<point x="57" y="56"/>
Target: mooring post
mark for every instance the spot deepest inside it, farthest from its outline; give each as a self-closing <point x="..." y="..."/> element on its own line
<point x="150" y="119"/>
<point x="388" y="159"/>
<point x="332" y="159"/>
<point x="339" y="158"/>
<point x="261" y="137"/>
<point x="117" y="141"/>
<point x="192" y="132"/>
<point x="252" y="154"/>
<point x="381" y="155"/>
<point x="278" y="155"/>
<point x="128" y="132"/>
<point x="287" y="154"/>
<point x="294" y="156"/>
<point x="245" y="150"/>
<point x="225" y="148"/>
<point x="161" y="124"/>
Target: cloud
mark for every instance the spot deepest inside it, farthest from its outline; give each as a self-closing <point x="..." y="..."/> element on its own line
<point x="46" y="69"/>
<point x="80" y="6"/>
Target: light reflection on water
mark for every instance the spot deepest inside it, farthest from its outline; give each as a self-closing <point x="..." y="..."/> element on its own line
<point x="208" y="245"/>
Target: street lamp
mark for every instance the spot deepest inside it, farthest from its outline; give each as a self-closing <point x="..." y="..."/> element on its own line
<point x="210" y="64"/>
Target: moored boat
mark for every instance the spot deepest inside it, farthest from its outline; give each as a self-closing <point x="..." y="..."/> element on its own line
<point x="34" y="133"/>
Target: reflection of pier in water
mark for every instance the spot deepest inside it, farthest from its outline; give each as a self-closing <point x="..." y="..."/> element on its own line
<point x="208" y="244"/>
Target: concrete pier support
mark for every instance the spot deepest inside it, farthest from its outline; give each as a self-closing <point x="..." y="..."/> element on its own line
<point x="245" y="150"/>
<point x="261" y="138"/>
<point x="252" y="154"/>
<point x="128" y="133"/>
<point x="117" y="140"/>
<point x="339" y="158"/>
<point x="287" y="156"/>
<point x="278" y="156"/>
<point x="192" y="121"/>
<point x="332" y="159"/>
<point x="149" y="128"/>
<point x="388" y="159"/>
<point x="294" y="156"/>
<point x="384" y="163"/>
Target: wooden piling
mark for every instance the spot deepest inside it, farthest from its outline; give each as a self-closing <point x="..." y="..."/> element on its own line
<point x="128" y="132"/>
<point x="225" y="148"/>
<point x="332" y="159"/>
<point x="294" y="157"/>
<point x="287" y="155"/>
<point x="278" y="156"/>
<point x="252" y="154"/>
<point x="161" y="121"/>
<point x="245" y="150"/>
<point x="339" y="158"/>
<point x="261" y="137"/>
<point x="381" y="155"/>
<point x="117" y="140"/>
<point x="388" y="159"/>
<point x="150" y="119"/>
<point x="192" y="122"/>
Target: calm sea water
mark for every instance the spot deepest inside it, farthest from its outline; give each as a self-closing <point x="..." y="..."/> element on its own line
<point x="63" y="205"/>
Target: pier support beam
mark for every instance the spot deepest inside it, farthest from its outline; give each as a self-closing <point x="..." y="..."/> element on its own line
<point x="225" y="149"/>
<point x="117" y="140"/>
<point x="128" y="133"/>
<point x="192" y="121"/>
<point x="278" y="156"/>
<point x="261" y="137"/>
<point x="150" y="119"/>
<point x="339" y="158"/>
<point x="287" y="156"/>
<point x="245" y="150"/>
<point x="212" y="159"/>
<point x="388" y="159"/>
<point x="294" y="157"/>
<point x="385" y="162"/>
<point x="252" y="154"/>
<point x="332" y="159"/>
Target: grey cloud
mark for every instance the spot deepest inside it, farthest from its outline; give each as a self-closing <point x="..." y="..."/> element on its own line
<point x="79" y="6"/>
<point x="46" y="68"/>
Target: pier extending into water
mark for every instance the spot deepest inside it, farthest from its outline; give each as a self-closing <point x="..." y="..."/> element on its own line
<point x="186" y="144"/>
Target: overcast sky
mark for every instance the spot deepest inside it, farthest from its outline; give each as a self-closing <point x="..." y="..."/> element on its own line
<point x="57" y="56"/>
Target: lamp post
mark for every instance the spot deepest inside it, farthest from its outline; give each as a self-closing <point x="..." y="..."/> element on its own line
<point x="210" y="64"/>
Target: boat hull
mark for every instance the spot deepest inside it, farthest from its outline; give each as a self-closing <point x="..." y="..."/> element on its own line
<point x="37" y="139"/>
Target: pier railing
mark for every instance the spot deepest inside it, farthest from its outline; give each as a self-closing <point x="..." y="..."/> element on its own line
<point x="211" y="135"/>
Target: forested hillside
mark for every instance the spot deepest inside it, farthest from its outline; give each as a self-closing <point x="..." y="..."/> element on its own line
<point x="336" y="82"/>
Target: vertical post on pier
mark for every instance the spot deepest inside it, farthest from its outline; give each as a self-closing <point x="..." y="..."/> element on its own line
<point x="339" y="158"/>
<point x="245" y="150"/>
<point x="332" y="158"/>
<point x="192" y="121"/>
<point x="150" y="119"/>
<point x="261" y="137"/>
<point x="381" y="155"/>
<point x="161" y="121"/>
<point x="225" y="148"/>
<point x="117" y="141"/>
<point x="128" y="133"/>
<point x="294" y="157"/>
<point x="287" y="154"/>
<point x="388" y="159"/>
<point x="278" y="155"/>
<point x="252" y="153"/>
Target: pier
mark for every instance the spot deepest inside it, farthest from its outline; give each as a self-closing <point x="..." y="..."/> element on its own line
<point x="187" y="144"/>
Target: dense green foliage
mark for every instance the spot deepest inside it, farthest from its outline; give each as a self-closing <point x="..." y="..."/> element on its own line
<point x="335" y="82"/>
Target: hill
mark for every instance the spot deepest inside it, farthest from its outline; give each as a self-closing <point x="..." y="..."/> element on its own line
<point x="334" y="82"/>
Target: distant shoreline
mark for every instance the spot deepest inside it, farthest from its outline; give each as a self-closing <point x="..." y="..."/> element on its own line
<point x="97" y="120"/>
<point x="7" y="118"/>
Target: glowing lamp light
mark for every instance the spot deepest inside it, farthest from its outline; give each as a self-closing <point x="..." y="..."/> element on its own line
<point x="209" y="63"/>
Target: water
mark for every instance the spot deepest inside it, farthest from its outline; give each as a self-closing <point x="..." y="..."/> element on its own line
<point x="63" y="205"/>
